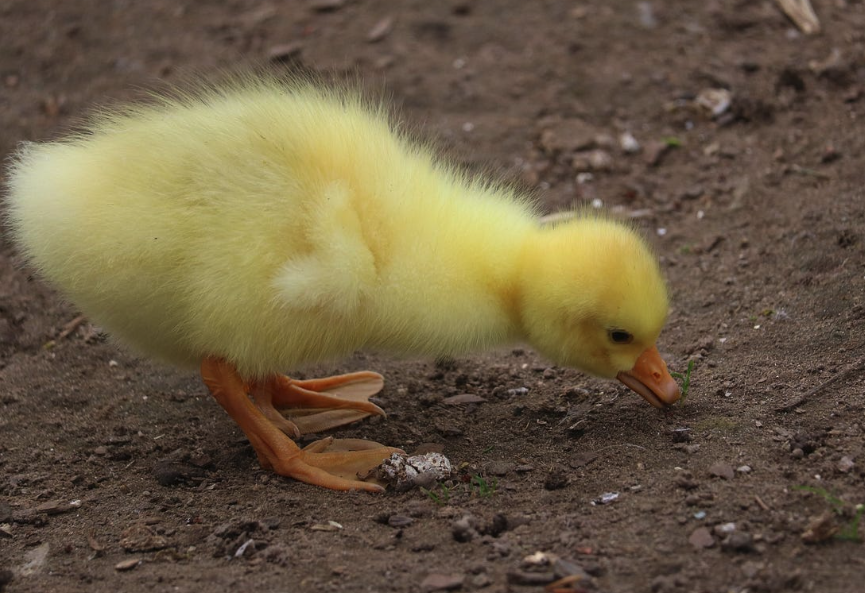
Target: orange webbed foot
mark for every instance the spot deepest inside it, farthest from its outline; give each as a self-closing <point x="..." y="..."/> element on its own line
<point x="329" y="463"/>
<point x="315" y="405"/>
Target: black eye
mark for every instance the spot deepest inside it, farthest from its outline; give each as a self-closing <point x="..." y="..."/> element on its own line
<point x="620" y="336"/>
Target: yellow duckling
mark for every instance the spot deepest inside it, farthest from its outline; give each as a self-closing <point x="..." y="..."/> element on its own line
<point x="261" y="225"/>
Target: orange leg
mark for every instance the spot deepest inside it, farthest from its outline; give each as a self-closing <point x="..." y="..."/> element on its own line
<point x="317" y="404"/>
<point x="336" y="468"/>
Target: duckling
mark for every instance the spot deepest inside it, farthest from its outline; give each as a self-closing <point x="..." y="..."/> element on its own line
<point x="265" y="224"/>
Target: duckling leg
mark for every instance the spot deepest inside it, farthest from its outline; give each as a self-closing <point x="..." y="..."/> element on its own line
<point x="317" y="404"/>
<point x="335" y="469"/>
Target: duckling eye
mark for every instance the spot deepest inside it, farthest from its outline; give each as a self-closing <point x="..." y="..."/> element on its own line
<point x="620" y="336"/>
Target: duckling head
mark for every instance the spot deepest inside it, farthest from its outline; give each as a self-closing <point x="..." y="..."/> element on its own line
<point x="593" y="298"/>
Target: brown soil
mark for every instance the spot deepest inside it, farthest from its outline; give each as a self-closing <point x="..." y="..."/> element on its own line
<point x="765" y="227"/>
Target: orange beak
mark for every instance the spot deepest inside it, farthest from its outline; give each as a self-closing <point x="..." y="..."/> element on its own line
<point x="651" y="379"/>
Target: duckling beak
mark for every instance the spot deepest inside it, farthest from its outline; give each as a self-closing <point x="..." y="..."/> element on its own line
<point x="651" y="379"/>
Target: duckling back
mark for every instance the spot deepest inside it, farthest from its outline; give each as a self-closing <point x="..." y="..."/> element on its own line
<point x="272" y="224"/>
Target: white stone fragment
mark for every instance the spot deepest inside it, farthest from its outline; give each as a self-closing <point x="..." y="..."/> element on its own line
<point x="404" y="473"/>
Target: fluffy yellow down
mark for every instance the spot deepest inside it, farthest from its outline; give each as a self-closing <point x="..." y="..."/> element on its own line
<point x="276" y="224"/>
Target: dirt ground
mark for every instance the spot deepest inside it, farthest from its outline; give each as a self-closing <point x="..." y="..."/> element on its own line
<point x="117" y="474"/>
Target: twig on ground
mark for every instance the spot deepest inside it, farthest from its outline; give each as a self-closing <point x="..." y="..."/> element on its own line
<point x="858" y="366"/>
<point x="71" y="327"/>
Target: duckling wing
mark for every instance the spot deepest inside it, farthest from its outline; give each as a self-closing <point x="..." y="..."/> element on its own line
<point x="339" y="272"/>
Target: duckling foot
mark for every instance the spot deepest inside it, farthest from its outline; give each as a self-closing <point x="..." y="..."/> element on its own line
<point x="328" y="463"/>
<point x="317" y="404"/>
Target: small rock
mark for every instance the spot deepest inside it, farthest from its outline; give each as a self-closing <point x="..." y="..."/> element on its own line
<point x="171" y="473"/>
<point x="739" y="542"/>
<point x="646" y="15"/>
<point x="500" y="468"/>
<point x="539" y="558"/>
<point x="34" y="560"/>
<point x="606" y="498"/>
<point x="681" y="435"/>
<point x="285" y="52"/>
<point x="692" y="193"/>
<point x="568" y="136"/>
<point x="479" y="581"/>
<point x="442" y="582"/>
<point x="714" y="101"/>
<point x="655" y="152"/>
<point x="125" y="565"/>
<point x="380" y="30"/>
<point x="399" y="521"/>
<point x="628" y="143"/>
<point x="721" y="470"/>
<point x="139" y="537"/>
<point x="752" y="569"/>
<point x="497" y="526"/>
<point x="201" y="461"/>
<point x="449" y="429"/>
<point x="592" y="160"/>
<point x="463" y="529"/>
<point x="744" y="469"/>
<point x="701" y="538"/>
<point x="686" y="481"/>
<point x="405" y="473"/>
<point x="845" y="464"/>
<point x="556" y="479"/>
<point x="797" y="453"/>
<point x="821" y="528"/>
<point x="725" y="529"/>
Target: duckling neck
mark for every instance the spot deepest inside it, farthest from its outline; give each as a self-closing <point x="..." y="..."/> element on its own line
<point x="463" y="293"/>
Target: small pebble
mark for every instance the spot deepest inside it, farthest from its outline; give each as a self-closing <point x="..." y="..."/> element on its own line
<point x="821" y="528"/>
<point x="380" y="30"/>
<point x="721" y="470"/>
<point x="744" y="469"/>
<point x="738" y="541"/>
<point x="463" y="529"/>
<point x="606" y="498"/>
<point x="556" y="479"/>
<point x="845" y="464"/>
<point x="442" y="582"/>
<point x="701" y="538"/>
<point x="479" y="581"/>
<point x="628" y="143"/>
<point x="399" y="521"/>
<point x="127" y="564"/>
<point x="285" y="52"/>
<point x="500" y="468"/>
<point x="725" y="528"/>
